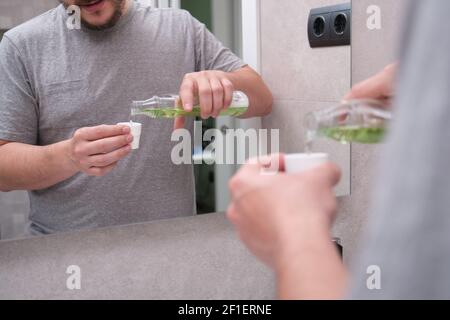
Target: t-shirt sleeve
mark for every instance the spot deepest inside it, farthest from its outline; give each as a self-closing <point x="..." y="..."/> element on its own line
<point x="210" y="53"/>
<point x="18" y="105"/>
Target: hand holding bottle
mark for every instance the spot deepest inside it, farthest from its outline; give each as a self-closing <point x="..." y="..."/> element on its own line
<point x="361" y="117"/>
<point x="212" y="89"/>
<point x="379" y="87"/>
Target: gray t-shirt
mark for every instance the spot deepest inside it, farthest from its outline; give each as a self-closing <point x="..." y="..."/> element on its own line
<point x="408" y="236"/>
<point x="54" y="80"/>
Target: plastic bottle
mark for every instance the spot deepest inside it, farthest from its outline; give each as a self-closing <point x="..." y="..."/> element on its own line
<point x="356" y="121"/>
<point x="169" y="106"/>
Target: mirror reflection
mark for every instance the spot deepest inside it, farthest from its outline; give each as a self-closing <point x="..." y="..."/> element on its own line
<point x="115" y="112"/>
<point x="69" y="77"/>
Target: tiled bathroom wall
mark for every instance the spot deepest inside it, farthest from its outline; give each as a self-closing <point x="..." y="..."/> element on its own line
<point x="302" y="79"/>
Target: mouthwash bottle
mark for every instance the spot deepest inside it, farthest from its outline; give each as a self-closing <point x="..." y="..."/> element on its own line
<point x="356" y="121"/>
<point x="169" y="106"/>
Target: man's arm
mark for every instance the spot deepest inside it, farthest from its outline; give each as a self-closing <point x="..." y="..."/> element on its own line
<point x="285" y="220"/>
<point x="93" y="151"/>
<point x="310" y="267"/>
<point x="249" y="81"/>
<point x="27" y="167"/>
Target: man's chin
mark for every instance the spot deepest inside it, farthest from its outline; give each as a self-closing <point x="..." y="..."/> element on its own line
<point x="99" y="20"/>
<point x="107" y="24"/>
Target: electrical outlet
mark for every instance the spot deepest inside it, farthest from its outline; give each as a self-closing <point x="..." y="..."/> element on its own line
<point x="330" y="26"/>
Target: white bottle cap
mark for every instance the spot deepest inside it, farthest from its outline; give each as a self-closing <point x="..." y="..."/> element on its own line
<point x="301" y="162"/>
<point x="136" y="130"/>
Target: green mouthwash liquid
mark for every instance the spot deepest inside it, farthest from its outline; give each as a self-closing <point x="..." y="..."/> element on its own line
<point x="355" y="121"/>
<point x="168" y="106"/>
<point x="354" y="134"/>
<point x="168" y="113"/>
<point x="346" y="135"/>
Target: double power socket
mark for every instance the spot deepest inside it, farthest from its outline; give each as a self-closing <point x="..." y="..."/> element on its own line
<point x="330" y="26"/>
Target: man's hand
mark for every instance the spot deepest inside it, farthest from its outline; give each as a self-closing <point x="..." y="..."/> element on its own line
<point x="274" y="214"/>
<point x="97" y="150"/>
<point x="212" y="90"/>
<point x="379" y="87"/>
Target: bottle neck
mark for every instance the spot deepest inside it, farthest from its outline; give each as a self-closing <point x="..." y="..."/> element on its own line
<point x="168" y="101"/>
<point x="138" y="107"/>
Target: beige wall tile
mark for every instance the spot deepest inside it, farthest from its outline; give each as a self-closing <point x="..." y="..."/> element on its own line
<point x="291" y="68"/>
<point x="374" y="49"/>
<point x="302" y="79"/>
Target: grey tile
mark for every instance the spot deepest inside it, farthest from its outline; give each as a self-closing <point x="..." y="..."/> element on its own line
<point x="15" y="197"/>
<point x="291" y="68"/>
<point x="354" y="210"/>
<point x="374" y="49"/>
<point x="14" y="211"/>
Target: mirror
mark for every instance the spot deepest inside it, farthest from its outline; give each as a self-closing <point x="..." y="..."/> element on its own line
<point x="298" y="75"/>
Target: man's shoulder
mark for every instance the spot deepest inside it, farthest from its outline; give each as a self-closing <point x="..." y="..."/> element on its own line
<point x="36" y="29"/>
<point x="174" y="12"/>
<point x="165" y="13"/>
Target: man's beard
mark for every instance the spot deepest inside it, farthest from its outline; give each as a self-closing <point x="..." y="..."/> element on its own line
<point x="119" y="6"/>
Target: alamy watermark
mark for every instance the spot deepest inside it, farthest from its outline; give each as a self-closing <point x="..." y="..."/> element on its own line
<point x="229" y="147"/>
<point x="73" y="281"/>
<point x="374" y="17"/>
<point x="74" y="20"/>
<point x="374" y="280"/>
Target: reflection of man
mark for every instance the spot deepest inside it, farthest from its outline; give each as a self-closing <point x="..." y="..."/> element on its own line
<point x="286" y="220"/>
<point x="57" y="85"/>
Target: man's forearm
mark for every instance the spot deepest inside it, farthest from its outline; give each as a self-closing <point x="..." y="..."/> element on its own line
<point x="312" y="269"/>
<point x="26" y="167"/>
<point x="251" y="83"/>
